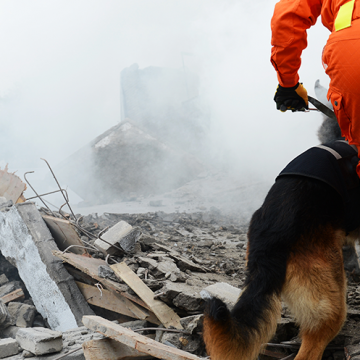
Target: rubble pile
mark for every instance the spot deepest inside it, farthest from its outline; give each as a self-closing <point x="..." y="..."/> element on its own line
<point x="121" y="286"/>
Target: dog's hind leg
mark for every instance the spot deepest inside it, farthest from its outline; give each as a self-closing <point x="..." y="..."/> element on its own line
<point x="315" y="290"/>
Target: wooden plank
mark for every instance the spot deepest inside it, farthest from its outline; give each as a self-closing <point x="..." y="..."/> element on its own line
<point x="89" y="266"/>
<point x="15" y="295"/>
<point x="164" y="313"/>
<point x="11" y="186"/>
<point x="64" y="234"/>
<point x="110" y="349"/>
<point x="135" y="340"/>
<point x="107" y="300"/>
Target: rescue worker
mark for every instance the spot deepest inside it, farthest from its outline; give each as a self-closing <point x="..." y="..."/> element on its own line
<point x="341" y="57"/>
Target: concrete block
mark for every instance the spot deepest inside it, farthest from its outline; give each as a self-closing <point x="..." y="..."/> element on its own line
<point x="26" y="240"/>
<point x="223" y="291"/>
<point x="40" y="341"/>
<point x="8" y="347"/>
<point x="22" y="314"/>
<point x="121" y="234"/>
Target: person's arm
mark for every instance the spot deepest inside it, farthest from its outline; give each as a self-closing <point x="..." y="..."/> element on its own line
<point x="289" y="23"/>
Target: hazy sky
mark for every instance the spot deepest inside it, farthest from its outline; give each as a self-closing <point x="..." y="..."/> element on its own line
<point x="61" y="59"/>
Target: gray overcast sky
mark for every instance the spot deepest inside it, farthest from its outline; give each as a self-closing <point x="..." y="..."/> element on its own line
<point x="61" y="59"/>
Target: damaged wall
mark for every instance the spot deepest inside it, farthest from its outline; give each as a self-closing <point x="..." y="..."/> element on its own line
<point x="125" y="159"/>
<point x="26" y="241"/>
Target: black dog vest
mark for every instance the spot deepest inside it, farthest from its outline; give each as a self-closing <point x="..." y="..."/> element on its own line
<point x="335" y="164"/>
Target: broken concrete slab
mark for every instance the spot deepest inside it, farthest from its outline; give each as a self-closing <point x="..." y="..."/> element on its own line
<point x="223" y="291"/>
<point x="22" y="314"/>
<point x="9" y="347"/>
<point x="121" y="234"/>
<point x="26" y="241"/>
<point x="40" y="341"/>
<point x="182" y="295"/>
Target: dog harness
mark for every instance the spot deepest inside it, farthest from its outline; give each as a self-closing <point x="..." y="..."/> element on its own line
<point x="334" y="164"/>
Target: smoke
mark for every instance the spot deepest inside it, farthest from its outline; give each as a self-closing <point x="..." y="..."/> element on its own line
<point x="61" y="66"/>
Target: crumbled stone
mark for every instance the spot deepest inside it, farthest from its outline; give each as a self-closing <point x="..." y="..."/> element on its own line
<point x="40" y="341"/>
<point x="22" y="314"/>
<point x="223" y="291"/>
<point x="8" y="347"/>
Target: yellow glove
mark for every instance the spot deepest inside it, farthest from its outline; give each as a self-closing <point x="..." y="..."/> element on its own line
<point x="294" y="98"/>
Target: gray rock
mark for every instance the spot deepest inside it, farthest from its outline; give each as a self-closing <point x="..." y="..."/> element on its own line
<point x="182" y="295"/>
<point x="23" y="315"/>
<point x="106" y="272"/>
<point x="40" y="341"/>
<point x="114" y="235"/>
<point x="223" y="291"/>
<point x="8" y="347"/>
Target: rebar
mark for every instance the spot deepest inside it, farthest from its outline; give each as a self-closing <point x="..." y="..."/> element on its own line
<point x="67" y="201"/>
<point x="31" y="172"/>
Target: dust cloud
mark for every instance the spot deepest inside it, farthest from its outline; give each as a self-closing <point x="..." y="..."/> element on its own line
<point x="61" y="62"/>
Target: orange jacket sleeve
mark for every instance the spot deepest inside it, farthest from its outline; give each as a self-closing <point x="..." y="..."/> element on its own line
<point x="289" y="23"/>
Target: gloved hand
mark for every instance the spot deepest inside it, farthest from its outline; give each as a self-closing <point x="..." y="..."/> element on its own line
<point x="294" y="98"/>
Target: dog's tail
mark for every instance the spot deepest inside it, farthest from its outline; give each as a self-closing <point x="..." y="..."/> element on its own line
<point x="239" y="334"/>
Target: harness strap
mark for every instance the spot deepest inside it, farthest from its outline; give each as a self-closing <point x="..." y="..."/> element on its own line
<point x="332" y="151"/>
<point x="344" y="141"/>
<point x="344" y="16"/>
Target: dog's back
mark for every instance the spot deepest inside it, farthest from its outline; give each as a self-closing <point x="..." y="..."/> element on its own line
<point x="294" y="250"/>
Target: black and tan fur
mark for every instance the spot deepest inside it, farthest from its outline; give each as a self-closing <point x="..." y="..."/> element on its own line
<point x="295" y="245"/>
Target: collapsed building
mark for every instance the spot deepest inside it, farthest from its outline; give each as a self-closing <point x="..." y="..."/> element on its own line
<point x="132" y="286"/>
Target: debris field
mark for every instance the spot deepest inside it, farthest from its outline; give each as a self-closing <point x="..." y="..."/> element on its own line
<point x="126" y="286"/>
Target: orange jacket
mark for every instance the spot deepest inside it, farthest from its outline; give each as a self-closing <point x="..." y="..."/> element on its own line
<point x="289" y="23"/>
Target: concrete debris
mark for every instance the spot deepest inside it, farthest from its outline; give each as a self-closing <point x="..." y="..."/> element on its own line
<point x="22" y="315"/>
<point x="172" y="264"/>
<point x="40" y="341"/>
<point x="123" y="235"/>
<point x="227" y="293"/>
<point x="8" y="347"/>
<point x="27" y="243"/>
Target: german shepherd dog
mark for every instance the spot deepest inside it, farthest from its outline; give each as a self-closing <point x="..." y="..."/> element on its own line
<point x="294" y="254"/>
